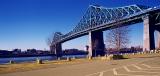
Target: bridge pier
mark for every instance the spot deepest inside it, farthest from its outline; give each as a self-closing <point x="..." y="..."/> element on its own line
<point x="96" y="43"/>
<point x="158" y="38"/>
<point x="148" y="34"/>
<point x="57" y="49"/>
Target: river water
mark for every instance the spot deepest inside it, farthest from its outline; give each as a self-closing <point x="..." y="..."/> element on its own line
<point x="31" y="59"/>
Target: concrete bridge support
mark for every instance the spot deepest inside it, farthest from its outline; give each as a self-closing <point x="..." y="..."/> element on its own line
<point x="57" y="49"/>
<point x="148" y="36"/>
<point x="96" y="44"/>
<point x="158" y="38"/>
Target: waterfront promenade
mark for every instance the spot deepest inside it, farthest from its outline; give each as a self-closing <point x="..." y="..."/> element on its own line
<point x="137" y="66"/>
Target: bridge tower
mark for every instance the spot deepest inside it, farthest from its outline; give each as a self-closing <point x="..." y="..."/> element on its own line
<point x="57" y="49"/>
<point x="148" y="36"/>
<point x="96" y="43"/>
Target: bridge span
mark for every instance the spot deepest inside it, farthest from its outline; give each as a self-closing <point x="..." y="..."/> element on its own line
<point x="98" y="19"/>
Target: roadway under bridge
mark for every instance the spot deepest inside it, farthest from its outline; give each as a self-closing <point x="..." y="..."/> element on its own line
<point x="98" y="19"/>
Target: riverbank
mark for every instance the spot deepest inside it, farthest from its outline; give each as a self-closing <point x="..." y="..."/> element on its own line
<point x="28" y="66"/>
<point x="34" y="58"/>
<point x="28" y="55"/>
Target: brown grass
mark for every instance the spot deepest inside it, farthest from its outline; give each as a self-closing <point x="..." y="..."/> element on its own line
<point x="10" y="68"/>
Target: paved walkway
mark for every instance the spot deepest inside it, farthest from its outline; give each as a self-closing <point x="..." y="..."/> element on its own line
<point x="130" y="70"/>
<point x="126" y="67"/>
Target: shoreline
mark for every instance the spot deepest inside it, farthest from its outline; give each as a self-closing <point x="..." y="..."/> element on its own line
<point x="29" y="66"/>
<point x="34" y="58"/>
<point x="17" y="56"/>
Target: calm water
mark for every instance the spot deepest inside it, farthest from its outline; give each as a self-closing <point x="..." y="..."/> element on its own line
<point x="30" y="59"/>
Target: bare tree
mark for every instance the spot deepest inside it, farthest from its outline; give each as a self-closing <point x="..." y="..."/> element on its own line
<point x="118" y="38"/>
<point x="49" y="40"/>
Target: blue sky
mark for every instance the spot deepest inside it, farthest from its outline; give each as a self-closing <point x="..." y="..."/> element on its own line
<point x="27" y="23"/>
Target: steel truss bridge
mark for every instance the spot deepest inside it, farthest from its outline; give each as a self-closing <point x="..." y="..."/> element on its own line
<point x="98" y="18"/>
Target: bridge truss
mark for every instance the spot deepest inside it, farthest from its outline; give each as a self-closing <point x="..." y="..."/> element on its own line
<point x="98" y="16"/>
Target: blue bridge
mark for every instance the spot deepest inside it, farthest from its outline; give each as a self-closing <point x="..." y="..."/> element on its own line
<point x="98" y="19"/>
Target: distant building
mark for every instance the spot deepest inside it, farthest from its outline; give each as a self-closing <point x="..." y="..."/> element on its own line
<point x="74" y="52"/>
<point x="5" y="53"/>
<point x="16" y="51"/>
<point x="31" y="51"/>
